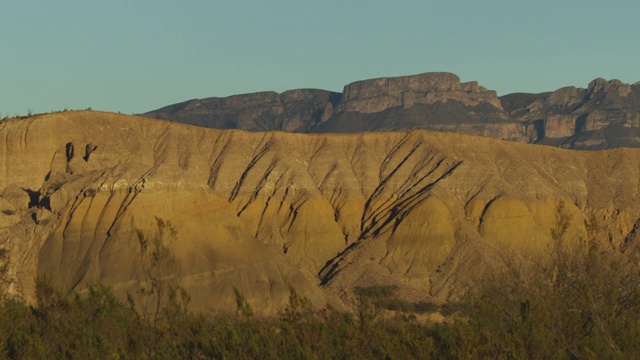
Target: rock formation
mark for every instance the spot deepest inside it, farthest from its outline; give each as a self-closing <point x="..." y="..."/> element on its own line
<point x="605" y="115"/>
<point x="295" y="110"/>
<point x="262" y="211"/>
<point x="377" y="95"/>
<point x="435" y="101"/>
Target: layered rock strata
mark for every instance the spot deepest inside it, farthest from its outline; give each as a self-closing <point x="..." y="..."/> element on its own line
<point x="263" y="211"/>
<point x="605" y="115"/>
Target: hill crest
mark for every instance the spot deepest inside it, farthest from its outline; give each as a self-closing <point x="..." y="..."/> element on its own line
<point x="262" y="211"/>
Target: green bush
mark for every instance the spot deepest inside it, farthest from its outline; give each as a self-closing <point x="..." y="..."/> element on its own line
<point x="96" y="325"/>
<point x="377" y="291"/>
<point x="580" y="300"/>
<point x="386" y="297"/>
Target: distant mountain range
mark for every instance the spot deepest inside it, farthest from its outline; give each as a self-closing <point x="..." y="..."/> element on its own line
<point x="604" y="115"/>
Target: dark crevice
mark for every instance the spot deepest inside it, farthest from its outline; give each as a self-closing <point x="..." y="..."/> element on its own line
<point x="254" y="161"/>
<point x="540" y="129"/>
<point x="484" y="211"/>
<point x="69" y="151"/>
<point x="330" y="268"/>
<point x="34" y="197"/>
<point x="581" y="121"/>
<point x="88" y="150"/>
<point x="45" y="203"/>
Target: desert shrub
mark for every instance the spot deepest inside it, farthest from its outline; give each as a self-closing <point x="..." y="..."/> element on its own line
<point x="571" y="304"/>
<point x="425" y="307"/>
<point x="386" y="297"/>
<point x="155" y="295"/>
<point x="244" y="308"/>
<point x="580" y="300"/>
<point x="394" y="304"/>
<point x="5" y="279"/>
<point x="377" y="291"/>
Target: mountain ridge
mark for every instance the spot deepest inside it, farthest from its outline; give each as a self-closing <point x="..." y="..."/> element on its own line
<point x="604" y="115"/>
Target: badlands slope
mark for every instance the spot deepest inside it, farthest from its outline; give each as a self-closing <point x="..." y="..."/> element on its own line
<point x="323" y="213"/>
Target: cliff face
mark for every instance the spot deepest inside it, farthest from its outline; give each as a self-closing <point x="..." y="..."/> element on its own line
<point x="436" y="101"/>
<point x="605" y="115"/>
<point x="377" y="95"/>
<point x="261" y="211"/>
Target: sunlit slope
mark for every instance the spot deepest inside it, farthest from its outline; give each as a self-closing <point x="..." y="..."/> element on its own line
<point x="264" y="211"/>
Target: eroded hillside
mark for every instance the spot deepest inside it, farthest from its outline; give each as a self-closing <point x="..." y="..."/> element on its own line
<point x="323" y="213"/>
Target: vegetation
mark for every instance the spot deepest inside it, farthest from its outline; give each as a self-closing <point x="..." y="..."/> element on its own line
<point x="580" y="301"/>
<point x="5" y="281"/>
<point x="97" y="325"/>
<point x="387" y="297"/>
<point x="30" y="113"/>
<point x="155" y="266"/>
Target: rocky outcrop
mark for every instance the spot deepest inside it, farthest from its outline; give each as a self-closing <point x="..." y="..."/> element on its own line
<point x="559" y="126"/>
<point x="262" y="211"/>
<point x="604" y="115"/>
<point x="377" y="95"/>
<point x="436" y="101"/>
<point x="295" y="110"/>
<point x="433" y="101"/>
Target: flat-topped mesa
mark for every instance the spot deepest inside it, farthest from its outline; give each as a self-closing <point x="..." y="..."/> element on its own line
<point x="376" y="95"/>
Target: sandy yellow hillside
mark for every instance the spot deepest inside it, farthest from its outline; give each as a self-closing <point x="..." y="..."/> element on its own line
<point x="323" y="213"/>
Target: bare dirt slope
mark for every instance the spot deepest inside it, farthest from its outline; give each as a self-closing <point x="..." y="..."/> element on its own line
<point x="323" y="213"/>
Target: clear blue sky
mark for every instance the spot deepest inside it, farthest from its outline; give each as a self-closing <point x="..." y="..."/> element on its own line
<point x="137" y="55"/>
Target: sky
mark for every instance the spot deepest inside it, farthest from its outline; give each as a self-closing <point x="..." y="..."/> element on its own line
<point x="134" y="56"/>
